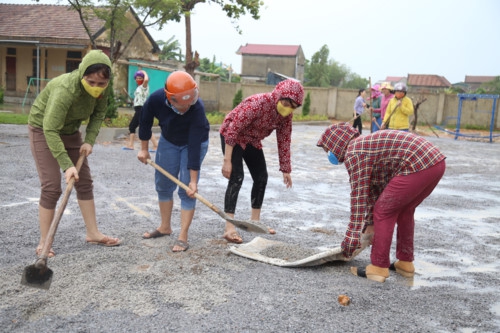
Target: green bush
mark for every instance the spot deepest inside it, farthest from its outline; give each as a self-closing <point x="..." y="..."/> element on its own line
<point x="1" y="95"/>
<point x="307" y="105"/>
<point x="215" y="117"/>
<point x="237" y="98"/>
<point x="112" y="110"/>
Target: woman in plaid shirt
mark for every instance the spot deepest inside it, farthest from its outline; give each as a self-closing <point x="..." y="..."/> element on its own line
<point x="391" y="173"/>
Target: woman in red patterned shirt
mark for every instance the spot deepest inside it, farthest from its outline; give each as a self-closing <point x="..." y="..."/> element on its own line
<point x="242" y="132"/>
<point x="391" y="172"/>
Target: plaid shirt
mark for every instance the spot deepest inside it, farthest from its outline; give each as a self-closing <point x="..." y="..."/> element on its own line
<point x="372" y="161"/>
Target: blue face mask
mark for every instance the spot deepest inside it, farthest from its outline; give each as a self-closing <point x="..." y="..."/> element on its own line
<point x="332" y="158"/>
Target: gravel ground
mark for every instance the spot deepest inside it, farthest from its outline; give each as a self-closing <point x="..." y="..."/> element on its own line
<point x="142" y="286"/>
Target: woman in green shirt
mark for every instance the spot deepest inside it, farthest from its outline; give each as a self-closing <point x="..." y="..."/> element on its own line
<point x="56" y="142"/>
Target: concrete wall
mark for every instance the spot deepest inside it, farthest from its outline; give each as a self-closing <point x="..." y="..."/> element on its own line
<point x="439" y="108"/>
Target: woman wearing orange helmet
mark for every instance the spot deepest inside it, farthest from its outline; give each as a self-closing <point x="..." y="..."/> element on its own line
<point x="182" y="147"/>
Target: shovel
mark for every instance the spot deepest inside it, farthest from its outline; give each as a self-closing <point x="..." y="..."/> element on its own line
<point x="39" y="275"/>
<point x="250" y="226"/>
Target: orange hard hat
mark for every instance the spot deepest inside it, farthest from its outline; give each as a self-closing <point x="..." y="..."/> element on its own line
<point x="181" y="88"/>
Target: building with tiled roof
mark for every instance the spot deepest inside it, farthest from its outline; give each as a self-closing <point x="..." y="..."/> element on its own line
<point x="44" y="41"/>
<point x="473" y="81"/>
<point x="260" y="60"/>
<point x="427" y="83"/>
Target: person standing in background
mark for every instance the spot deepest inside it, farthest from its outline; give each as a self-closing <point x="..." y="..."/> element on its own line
<point x="359" y="108"/>
<point x="399" y="110"/>
<point x="375" y="108"/>
<point x="140" y="96"/>
<point x="387" y="95"/>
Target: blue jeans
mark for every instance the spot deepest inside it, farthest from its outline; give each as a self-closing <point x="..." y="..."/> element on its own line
<point x="174" y="160"/>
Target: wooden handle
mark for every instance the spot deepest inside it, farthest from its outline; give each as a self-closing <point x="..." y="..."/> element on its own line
<point x="184" y="186"/>
<point x="57" y="217"/>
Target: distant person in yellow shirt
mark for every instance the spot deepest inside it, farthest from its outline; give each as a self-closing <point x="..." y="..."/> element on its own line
<point x="399" y="110"/>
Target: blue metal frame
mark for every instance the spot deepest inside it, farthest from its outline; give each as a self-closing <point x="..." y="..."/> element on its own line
<point x="473" y="97"/>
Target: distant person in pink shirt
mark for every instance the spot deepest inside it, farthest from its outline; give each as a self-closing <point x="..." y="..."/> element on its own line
<point x="387" y="94"/>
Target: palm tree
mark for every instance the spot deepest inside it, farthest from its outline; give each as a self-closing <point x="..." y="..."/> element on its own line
<point x="170" y="50"/>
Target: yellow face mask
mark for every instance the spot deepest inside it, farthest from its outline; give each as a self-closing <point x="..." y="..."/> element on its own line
<point x="93" y="91"/>
<point x="284" y="110"/>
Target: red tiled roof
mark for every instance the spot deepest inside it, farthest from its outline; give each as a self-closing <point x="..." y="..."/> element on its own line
<point x="478" y="79"/>
<point x="264" y="49"/>
<point x="394" y="78"/>
<point x="427" y="80"/>
<point x="44" y="21"/>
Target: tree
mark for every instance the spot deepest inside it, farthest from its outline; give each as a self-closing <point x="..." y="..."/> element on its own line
<point x="234" y="9"/>
<point x="170" y="49"/>
<point x="316" y="71"/>
<point x="306" y="108"/>
<point x="324" y="72"/>
<point x="113" y="14"/>
<point x="492" y="87"/>
<point x="354" y="81"/>
<point x="238" y="97"/>
<point x="213" y="67"/>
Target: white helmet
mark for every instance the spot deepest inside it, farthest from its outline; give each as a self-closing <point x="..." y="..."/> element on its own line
<point x="400" y="86"/>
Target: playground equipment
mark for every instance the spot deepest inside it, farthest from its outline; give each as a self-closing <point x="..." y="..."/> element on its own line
<point x="37" y="83"/>
<point x="473" y="97"/>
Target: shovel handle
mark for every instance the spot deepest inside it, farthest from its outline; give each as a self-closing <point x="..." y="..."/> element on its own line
<point x="246" y="225"/>
<point x="184" y="186"/>
<point x="42" y="261"/>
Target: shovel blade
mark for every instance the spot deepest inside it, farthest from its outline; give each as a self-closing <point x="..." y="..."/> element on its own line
<point x="40" y="278"/>
<point x="250" y="226"/>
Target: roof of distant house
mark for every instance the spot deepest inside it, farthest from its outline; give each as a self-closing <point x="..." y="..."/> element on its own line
<point x="264" y="49"/>
<point x="427" y="80"/>
<point x="44" y="21"/>
<point x="394" y="78"/>
<point x="478" y="79"/>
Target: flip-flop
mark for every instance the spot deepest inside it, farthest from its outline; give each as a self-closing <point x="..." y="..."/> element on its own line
<point x="155" y="234"/>
<point x="106" y="241"/>
<point x="181" y="244"/>
<point x="127" y="148"/>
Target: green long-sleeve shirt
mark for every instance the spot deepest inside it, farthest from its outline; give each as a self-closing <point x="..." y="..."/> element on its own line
<point x="64" y="104"/>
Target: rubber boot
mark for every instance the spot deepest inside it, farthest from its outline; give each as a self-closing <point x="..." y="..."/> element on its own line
<point x="371" y="272"/>
<point x="405" y="268"/>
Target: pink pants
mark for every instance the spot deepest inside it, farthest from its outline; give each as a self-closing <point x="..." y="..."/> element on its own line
<point x="396" y="205"/>
<point x="49" y="170"/>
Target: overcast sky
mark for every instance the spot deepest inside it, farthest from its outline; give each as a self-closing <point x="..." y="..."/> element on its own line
<point x="451" y="38"/>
